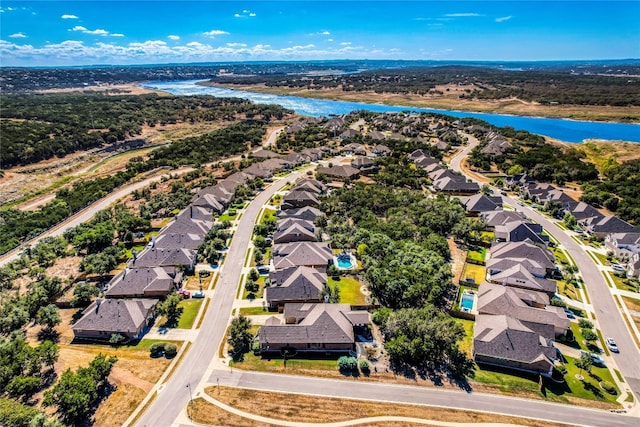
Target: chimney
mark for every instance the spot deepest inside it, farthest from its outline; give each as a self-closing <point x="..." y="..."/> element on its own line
<point x="135" y="255"/>
<point x="98" y="302"/>
<point x="191" y="211"/>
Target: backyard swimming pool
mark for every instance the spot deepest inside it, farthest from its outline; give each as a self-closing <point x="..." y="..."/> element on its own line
<point x="467" y="300"/>
<point x="344" y="261"/>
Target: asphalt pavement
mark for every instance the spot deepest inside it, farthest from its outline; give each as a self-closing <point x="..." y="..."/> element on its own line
<point x="174" y="395"/>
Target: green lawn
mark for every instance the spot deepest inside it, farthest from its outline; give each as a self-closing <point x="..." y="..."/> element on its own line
<point x="254" y="311"/>
<point x="601" y="257"/>
<point x="349" y="290"/>
<point x="227" y="217"/>
<point x="475" y="272"/>
<point x="467" y="343"/>
<point x="477" y="253"/>
<point x="267" y="213"/>
<point x="138" y="249"/>
<point x="191" y="307"/>
<point x="257" y="363"/>
<point x="624" y="283"/>
<point x="589" y="388"/>
<point x="510" y="382"/>
<point x="569" y="290"/>
<point x="560" y="256"/>
<point x="254" y="295"/>
<point x="488" y="236"/>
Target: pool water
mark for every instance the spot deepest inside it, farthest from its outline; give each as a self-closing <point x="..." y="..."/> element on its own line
<point x="467" y="301"/>
<point x="344" y="261"/>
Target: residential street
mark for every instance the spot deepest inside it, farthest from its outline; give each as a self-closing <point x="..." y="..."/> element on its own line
<point x="361" y="389"/>
<point x="174" y="395"/>
<point x="608" y="314"/>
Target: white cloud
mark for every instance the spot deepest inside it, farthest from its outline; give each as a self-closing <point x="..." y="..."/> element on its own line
<point x="461" y="15"/>
<point x="214" y="33"/>
<point x="325" y="33"/>
<point x="76" y="52"/>
<point x="19" y="35"/>
<point x="172" y="37"/>
<point x="69" y="16"/>
<point x="246" y="13"/>
<point x="96" y="32"/>
<point x="503" y="18"/>
<point x="329" y="40"/>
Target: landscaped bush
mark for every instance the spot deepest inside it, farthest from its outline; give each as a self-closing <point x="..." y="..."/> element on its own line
<point x="608" y="387"/>
<point x="364" y="366"/>
<point x="156" y="349"/>
<point x="170" y="350"/>
<point x="584" y="323"/>
<point x="347" y="363"/>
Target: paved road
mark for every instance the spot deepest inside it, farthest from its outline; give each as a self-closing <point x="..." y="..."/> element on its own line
<point x="608" y="314"/>
<point x="87" y="213"/>
<point x="394" y="393"/>
<point x="174" y="395"/>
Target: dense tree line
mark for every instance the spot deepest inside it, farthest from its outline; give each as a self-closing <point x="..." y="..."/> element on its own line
<point x="18" y="225"/>
<point x="38" y="127"/>
<point x="543" y="86"/>
<point x="618" y="190"/>
<point x="530" y="153"/>
<point x="400" y="238"/>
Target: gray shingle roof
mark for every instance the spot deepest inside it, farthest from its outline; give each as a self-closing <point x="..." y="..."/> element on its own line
<point x="507" y="338"/>
<point x="302" y="284"/>
<point x="294" y="233"/>
<point x="115" y="316"/>
<point x="140" y="281"/>
<point x="301" y="253"/>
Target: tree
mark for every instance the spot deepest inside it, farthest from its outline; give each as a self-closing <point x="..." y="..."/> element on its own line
<point x="570" y="221"/>
<point x="584" y="323"/>
<point x="23" y="387"/>
<point x="82" y="294"/>
<point x="48" y="316"/>
<point x="251" y="286"/>
<point x="240" y="337"/>
<point x="258" y="256"/>
<point x="170" y="308"/>
<point x="73" y="395"/>
<point x="584" y="362"/>
<point x="254" y="275"/>
<point x="347" y="364"/>
<point x="116" y="339"/>
<point x="100" y="368"/>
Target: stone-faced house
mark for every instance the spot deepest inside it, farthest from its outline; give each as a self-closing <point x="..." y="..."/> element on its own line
<point x="130" y="318"/>
<point x="312" y="328"/>
<point x="501" y="340"/>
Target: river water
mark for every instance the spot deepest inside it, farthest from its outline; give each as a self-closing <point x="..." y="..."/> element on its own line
<point x="561" y="129"/>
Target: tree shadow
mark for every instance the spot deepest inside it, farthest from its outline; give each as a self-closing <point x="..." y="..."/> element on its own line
<point x="46" y="334"/>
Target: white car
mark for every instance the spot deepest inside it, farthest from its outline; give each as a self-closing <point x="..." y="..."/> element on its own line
<point x="611" y="343"/>
<point x="618" y="267"/>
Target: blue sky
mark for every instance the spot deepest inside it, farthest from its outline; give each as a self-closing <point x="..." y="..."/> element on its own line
<point x="42" y="33"/>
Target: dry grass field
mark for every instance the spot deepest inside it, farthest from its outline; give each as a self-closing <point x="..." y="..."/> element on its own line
<point x="302" y="408"/>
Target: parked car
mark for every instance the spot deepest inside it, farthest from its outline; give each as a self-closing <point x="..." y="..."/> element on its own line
<point x="185" y="293"/>
<point x="618" y="267"/>
<point x="198" y="294"/>
<point x="597" y="360"/>
<point x="611" y="343"/>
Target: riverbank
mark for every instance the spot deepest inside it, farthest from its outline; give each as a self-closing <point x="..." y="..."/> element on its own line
<point x="453" y="102"/>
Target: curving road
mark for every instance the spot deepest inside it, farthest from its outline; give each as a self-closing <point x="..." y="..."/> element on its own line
<point x="608" y="315"/>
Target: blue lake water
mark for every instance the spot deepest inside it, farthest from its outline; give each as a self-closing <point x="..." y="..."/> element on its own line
<point x="562" y="129"/>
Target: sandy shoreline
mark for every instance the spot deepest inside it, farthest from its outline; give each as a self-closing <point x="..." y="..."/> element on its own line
<point x="513" y="107"/>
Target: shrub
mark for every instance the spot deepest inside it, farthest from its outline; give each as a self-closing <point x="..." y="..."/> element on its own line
<point x="170" y="350"/>
<point x="608" y="387"/>
<point x="584" y="323"/>
<point x="588" y="334"/>
<point x="156" y="349"/>
<point x="347" y="363"/>
<point x="364" y="366"/>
